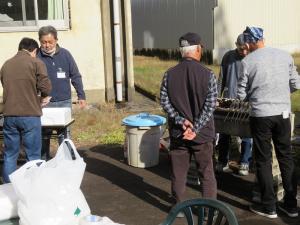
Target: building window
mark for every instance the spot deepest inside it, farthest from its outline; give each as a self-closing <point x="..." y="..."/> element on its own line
<point x="26" y="15"/>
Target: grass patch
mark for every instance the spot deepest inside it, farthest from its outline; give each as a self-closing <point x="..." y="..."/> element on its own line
<point x="296" y="57"/>
<point x="116" y="137"/>
<point x="296" y="95"/>
<point x="99" y="126"/>
<point x="149" y="71"/>
<point x="296" y="101"/>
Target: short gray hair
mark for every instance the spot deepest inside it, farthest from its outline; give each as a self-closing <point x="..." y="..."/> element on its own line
<point x="188" y="49"/>
<point x="47" y="30"/>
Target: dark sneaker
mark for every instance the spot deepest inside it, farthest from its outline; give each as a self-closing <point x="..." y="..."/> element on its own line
<point x="291" y="212"/>
<point x="263" y="211"/>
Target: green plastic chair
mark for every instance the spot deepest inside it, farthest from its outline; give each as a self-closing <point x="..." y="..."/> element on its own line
<point x="206" y="211"/>
<point x="10" y="222"/>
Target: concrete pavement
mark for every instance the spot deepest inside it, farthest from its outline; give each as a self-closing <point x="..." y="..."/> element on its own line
<point x="136" y="196"/>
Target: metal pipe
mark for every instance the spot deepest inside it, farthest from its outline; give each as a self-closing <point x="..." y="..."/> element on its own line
<point x="24" y="12"/>
<point x="129" y="50"/>
<point x="117" y="40"/>
<point x="242" y="112"/>
<point x="36" y="13"/>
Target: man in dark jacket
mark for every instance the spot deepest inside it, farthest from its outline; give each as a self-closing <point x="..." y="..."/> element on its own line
<point x="188" y="95"/>
<point x="25" y="82"/>
<point x="227" y="88"/>
<point x="62" y="69"/>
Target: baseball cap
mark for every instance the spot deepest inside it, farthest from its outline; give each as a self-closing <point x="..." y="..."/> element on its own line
<point x="253" y="34"/>
<point x="189" y="39"/>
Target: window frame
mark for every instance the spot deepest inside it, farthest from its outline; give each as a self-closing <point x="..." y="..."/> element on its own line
<point x="63" y="24"/>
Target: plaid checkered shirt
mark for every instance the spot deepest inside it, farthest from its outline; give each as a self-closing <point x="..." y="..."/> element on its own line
<point x="208" y="108"/>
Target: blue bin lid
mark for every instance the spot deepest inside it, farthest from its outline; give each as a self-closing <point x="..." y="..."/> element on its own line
<point x="144" y="120"/>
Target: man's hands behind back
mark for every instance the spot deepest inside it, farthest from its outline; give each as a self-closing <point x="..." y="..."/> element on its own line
<point x="189" y="132"/>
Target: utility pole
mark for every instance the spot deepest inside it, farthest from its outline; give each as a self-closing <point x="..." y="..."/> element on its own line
<point x="107" y="51"/>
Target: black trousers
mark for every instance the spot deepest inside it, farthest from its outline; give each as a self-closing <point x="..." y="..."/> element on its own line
<point x="180" y="160"/>
<point x="265" y="129"/>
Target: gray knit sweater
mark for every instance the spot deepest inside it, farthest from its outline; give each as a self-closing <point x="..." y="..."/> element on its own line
<point x="267" y="77"/>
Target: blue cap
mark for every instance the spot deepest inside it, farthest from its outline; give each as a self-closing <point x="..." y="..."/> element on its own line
<point x="253" y="34"/>
<point x="144" y="120"/>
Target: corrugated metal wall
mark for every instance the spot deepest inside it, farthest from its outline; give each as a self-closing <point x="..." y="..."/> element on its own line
<point x="279" y="19"/>
<point x="159" y="23"/>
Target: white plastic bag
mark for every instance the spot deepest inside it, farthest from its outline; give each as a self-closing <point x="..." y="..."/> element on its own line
<point x="97" y="220"/>
<point x="49" y="192"/>
<point x="8" y="202"/>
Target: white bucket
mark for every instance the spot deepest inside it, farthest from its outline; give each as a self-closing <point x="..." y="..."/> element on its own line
<point x="143" y="146"/>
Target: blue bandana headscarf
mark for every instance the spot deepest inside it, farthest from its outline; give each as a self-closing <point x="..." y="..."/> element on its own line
<point x="253" y="34"/>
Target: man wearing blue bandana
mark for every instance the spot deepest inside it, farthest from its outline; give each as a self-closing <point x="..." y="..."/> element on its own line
<point x="267" y="77"/>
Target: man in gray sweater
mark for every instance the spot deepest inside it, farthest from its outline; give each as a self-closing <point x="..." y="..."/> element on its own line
<point x="267" y="78"/>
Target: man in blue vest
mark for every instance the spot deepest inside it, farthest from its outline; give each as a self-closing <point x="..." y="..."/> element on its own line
<point x="188" y="95"/>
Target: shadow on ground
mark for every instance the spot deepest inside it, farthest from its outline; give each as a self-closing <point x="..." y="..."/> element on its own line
<point x="135" y="196"/>
<point x="226" y="181"/>
<point x="123" y="178"/>
<point x="150" y="187"/>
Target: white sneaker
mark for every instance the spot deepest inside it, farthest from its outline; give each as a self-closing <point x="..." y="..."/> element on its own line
<point x="244" y="169"/>
<point x="220" y="167"/>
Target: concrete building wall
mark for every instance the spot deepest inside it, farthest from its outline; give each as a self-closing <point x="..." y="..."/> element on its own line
<point x="159" y="23"/>
<point x="279" y="19"/>
<point x="83" y="40"/>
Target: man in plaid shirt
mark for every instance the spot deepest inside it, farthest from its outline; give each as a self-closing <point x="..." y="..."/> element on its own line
<point x="188" y="95"/>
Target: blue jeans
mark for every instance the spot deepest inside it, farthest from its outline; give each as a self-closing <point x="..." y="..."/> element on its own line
<point x="47" y="132"/>
<point x="246" y="150"/>
<point x="224" y="145"/>
<point x="17" y="131"/>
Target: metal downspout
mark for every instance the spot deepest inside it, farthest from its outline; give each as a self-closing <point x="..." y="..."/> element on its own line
<point x="117" y="40"/>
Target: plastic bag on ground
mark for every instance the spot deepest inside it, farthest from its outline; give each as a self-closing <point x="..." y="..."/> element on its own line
<point x="97" y="220"/>
<point x="49" y="192"/>
<point x="8" y="202"/>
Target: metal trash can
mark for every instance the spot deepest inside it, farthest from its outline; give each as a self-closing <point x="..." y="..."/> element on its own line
<point x="143" y="132"/>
